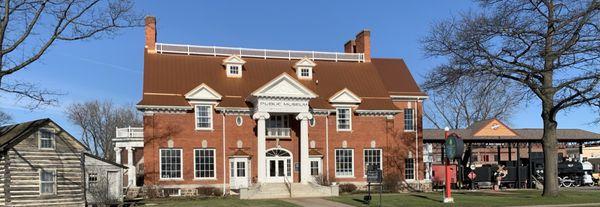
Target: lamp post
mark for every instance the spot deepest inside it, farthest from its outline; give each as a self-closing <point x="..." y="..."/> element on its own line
<point x="448" y="193"/>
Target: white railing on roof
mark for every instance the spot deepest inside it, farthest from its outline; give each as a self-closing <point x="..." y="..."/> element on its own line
<point x="257" y="53"/>
<point x="130" y="132"/>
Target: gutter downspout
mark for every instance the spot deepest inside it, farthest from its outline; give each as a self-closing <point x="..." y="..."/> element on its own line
<point x="327" y="144"/>
<point x="417" y="143"/>
<point x="224" y="159"/>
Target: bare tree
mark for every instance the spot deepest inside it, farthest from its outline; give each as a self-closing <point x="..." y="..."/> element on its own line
<point x="28" y="28"/>
<point x="5" y="118"/>
<point x="460" y="104"/>
<point x="98" y="121"/>
<point x="549" y="47"/>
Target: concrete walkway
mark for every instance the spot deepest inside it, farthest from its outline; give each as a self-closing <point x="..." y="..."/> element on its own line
<point x="315" y="202"/>
<point x="564" y="205"/>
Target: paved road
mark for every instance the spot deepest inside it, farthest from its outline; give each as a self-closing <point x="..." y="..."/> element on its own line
<point x="315" y="202"/>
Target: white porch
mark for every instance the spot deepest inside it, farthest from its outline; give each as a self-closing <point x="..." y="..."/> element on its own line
<point x="129" y="138"/>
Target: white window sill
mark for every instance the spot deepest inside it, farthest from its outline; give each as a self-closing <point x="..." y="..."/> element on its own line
<point x="409" y="130"/>
<point x="170" y="179"/>
<point x="201" y="179"/>
<point x="345" y="176"/>
<point x="205" y="129"/>
<point x="46" y="148"/>
<point x="344" y="130"/>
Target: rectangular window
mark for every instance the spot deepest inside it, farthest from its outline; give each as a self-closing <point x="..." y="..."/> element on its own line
<point x="314" y="167"/>
<point x="486" y="158"/>
<point x="304" y="72"/>
<point x="409" y="169"/>
<point x="47" y="182"/>
<point x="172" y="191"/>
<point x="344" y="160"/>
<point x="46" y="139"/>
<point x="234" y="69"/>
<point x="278" y="126"/>
<point x="203" y="116"/>
<point x="92" y="179"/>
<point x="344" y="119"/>
<point x="204" y="163"/>
<point x="372" y="157"/>
<point x="409" y="123"/>
<point x="170" y="163"/>
<point x="241" y="169"/>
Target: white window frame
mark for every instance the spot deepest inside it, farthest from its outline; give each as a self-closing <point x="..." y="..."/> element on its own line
<point x="52" y="139"/>
<point x="365" y="159"/>
<point x="160" y="174"/>
<point x="239" y="120"/>
<point x="301" y="76"/>
<point x="54" y="182"/>
<point x="337" y="119"/>
<point x="312" y="122"/>
<point x="230" y="67"/>
<point x="336" y="168"/>
<point x="413" y="169"/>
<point x="210" y="116"/>
<point x="214" y="153"/>
<point x="412" y="118"/>
<point x="319" y="165"/>
<point x="89" y="175"/>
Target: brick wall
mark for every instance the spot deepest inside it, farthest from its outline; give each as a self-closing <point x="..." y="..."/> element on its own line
<point x="389" y="135"/>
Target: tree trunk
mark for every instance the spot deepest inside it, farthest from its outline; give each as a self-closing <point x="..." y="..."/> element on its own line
<point x="550" y="151"/>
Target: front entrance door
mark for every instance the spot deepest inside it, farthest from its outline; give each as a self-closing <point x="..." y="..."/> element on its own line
<point x="279" y="166"/>
<point x="239" y="172"/>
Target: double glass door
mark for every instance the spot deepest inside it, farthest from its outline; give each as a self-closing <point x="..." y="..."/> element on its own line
<point x="279" y="165"/>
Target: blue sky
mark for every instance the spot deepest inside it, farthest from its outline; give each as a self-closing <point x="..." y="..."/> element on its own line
<point x="112" y="68"/>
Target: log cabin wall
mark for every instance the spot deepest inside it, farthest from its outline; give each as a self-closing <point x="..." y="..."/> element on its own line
<point x="26" y="160"/>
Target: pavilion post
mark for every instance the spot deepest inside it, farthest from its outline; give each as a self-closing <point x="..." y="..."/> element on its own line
<point x="518" y="165"/>
<point x="509" y="152"/>
<point x="499" y="158"/>
<point x="529" y="180"/>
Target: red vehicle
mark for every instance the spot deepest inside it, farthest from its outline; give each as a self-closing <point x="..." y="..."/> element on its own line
<point x="438" y="174"/>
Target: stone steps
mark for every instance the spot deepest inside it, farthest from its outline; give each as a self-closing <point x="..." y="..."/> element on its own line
<point x="280" y="190"/>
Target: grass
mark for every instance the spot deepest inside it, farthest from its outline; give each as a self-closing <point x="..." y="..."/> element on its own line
<point x="217" y="202"/>
<point x="466" y="198"/>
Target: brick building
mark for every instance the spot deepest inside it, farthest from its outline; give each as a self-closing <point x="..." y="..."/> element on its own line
<point x="233" y="118"/>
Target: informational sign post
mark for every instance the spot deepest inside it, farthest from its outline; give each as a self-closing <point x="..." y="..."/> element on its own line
<point x="374" y="175"/>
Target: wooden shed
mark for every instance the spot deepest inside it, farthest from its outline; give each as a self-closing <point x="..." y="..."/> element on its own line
<point x="104" y="180"/>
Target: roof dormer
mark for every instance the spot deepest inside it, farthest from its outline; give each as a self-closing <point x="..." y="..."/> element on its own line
<point x="304" y="68"/>
<point x="233" y="66"/>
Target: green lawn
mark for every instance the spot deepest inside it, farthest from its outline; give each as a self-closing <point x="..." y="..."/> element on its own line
<point x="217" y="202"/>
<point x="464" y="198"/>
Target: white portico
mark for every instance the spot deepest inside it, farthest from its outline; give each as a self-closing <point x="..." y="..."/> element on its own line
<point x="282" y="95"/>
<point x="129" y="138"/>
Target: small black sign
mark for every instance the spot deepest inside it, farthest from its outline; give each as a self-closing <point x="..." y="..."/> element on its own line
<point x="374" y="174"/>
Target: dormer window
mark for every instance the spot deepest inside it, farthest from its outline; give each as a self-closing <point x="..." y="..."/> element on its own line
<point x="305" y="72"/>
<point x="304" y="68"/>
<point x="233" y="66"/>
<point x="233" y="70"/>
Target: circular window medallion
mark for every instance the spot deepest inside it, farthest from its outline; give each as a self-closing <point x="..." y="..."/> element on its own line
<point x="239" y="120"/>
<point x="312" y="122"/>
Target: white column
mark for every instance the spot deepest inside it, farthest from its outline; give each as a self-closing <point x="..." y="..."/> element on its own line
<point x="261" y="145"/>
<point x="131" y="175"/>
<point x="304" y="163"/>
<point x="118" y="155"/>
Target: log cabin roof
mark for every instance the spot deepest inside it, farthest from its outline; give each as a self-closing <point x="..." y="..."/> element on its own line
<point x="10" y="135"/>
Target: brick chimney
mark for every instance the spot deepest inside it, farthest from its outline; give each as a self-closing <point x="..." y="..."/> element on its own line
<point x="350" y="46"/>
<point x="150" y="34"/>
<point x="361" y="44"/>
